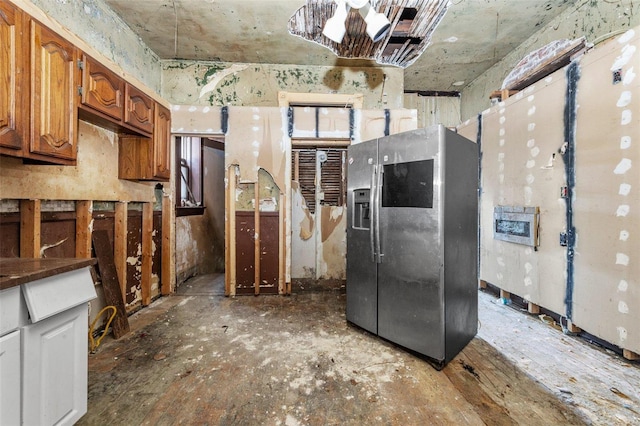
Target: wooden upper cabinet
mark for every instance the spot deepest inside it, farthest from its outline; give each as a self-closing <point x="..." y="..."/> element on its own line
<point x="139" y="109"/>
<point x="102" y="89"/>
<point x="54" y="82"/>
<point x="14" y="86"/>
<point x="162" y="143"/>
<point x="144" y="158"/>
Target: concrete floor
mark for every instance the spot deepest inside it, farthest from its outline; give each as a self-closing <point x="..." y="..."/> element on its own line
<point x="197" y="357"/>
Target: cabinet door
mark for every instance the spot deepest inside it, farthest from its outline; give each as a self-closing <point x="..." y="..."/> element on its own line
<point x="14" y="83"/>
<point x="162" y="143"/>
<point x="55" y="369"/>
<point x="10" y="385"/>
<point x="54" y="83"/>
<point x="135" y="158"/>
<point x="102" y="89"/>
<point x="138" y="109"/>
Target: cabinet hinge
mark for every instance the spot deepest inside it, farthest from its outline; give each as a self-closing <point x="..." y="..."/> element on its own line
<point x="79" y="90"/>
<point x="80" y="64"/>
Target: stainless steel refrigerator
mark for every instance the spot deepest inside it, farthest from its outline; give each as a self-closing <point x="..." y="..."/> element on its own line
<point x="412" y="240"/>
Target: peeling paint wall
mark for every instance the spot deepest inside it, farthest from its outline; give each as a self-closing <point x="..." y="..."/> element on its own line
<point x="596" y="20"/>
<point x="303" y="236"/>
<point x="268" y="194"/>
<point x="100" y="27"/>
<point x="332" y="245"/>
<point x="218" y="84"/>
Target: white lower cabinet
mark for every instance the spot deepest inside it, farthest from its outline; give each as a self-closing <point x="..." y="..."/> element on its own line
<point x="44" y="350"/>
<point x="10" y="383"/>
<point x="55" y="369"/>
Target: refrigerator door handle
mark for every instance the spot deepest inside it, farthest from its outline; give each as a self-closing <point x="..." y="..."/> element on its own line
<point x="376" y="205"/>
<point x="373" y="214"/>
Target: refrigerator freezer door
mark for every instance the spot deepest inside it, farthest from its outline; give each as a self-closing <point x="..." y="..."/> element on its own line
<point x="410" y="290"/>
<point x="362" y="297"/>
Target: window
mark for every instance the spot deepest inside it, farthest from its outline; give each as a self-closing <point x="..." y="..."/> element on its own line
<point x="321" y="173"/>
<point x="189" y="198"/>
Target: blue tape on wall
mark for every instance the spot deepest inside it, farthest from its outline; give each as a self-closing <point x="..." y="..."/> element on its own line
<point x="352" y="120"/>
<point x="479" y="142"/>
<point x="569" y="156"/>
<point x="387" y="121"/>
<point x="224" y="119"/>
<point x="290" y="116"/>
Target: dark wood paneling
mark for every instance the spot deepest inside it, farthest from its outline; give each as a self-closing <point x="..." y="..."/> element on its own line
<point x="245" y="249"/>
<point x="269" y="254"/>
<point x="245" y="252"/>
<point x="58" y="230"/>
<point x="10" y="235"/>
<point x="58" y="234"/>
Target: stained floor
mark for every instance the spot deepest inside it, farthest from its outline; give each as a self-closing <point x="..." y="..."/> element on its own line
<point x="197" y="357"/>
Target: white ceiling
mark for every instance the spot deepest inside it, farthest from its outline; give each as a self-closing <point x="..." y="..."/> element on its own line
<point x="472" y="36"/>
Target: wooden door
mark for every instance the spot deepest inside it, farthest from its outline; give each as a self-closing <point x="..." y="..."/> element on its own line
<point x="54" y="81"/>
<point x="102" y="89"/>
<point x="161" y="143"/>
<point x="139" y="109"/>
<point x="14" y="89"/>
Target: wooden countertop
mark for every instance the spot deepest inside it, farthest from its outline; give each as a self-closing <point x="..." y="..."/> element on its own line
<point x="17" y="271"/>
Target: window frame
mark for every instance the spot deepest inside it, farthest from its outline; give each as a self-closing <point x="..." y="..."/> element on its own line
<point x="194" y="163"/>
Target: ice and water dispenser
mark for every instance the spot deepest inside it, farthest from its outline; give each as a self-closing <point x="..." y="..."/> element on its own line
<point x="362" y="209"/>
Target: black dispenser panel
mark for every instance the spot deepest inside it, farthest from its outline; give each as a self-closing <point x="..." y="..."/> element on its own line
<point x="362" y="209"/>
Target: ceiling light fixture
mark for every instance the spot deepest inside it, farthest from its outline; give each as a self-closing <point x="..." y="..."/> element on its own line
<point x="377" y="23"/>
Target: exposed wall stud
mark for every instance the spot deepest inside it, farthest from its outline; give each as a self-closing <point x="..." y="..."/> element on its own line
<point x="84" y="219"/>
<point x="30" y="228"/>
<point x="147" y="252"/>
<point x="167" y="283"/>
<point x="120" y="245"/>
<point x="256" y="269"/>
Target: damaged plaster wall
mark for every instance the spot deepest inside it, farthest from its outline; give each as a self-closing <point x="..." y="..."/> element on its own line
<point x="100" y="27"/>
<point x="218" y="84"/>
<point x="200" y="238"/>
<point x="213" y="193"/>
<point x="539" y="145"/>
<point x="95" y="177"/>
<point x="258" y="139"/>
<point x="596" y="20"/>
<point x="194" y="247"/>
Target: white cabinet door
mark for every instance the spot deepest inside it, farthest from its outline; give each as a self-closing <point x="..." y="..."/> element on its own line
<point x="10" y="379"/>
<point x="55" y="369"/>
